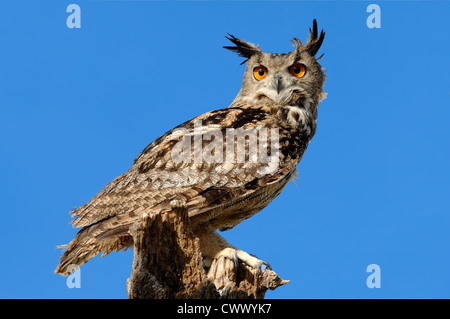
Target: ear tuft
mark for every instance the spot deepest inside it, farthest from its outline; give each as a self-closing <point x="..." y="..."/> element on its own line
<point x="242" y="48"/>
<point x="297" y="43"/>
<point x="314" y="41"/>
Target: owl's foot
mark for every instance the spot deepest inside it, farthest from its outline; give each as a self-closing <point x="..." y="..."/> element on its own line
<point x="236" y="255"/>
<point x="252" y="260"/>
<point x="214" y="247"/>
<point x="224" y="268"/>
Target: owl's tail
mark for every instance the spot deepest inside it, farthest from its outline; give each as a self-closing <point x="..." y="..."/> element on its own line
<point x="105" y="236"/>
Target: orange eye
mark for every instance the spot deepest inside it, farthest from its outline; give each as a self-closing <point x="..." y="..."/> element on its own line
<point x="298" y="70"/>
<point x="259" y="72"/>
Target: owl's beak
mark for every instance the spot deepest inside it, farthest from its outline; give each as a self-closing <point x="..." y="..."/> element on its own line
<point x="278" y="83"/>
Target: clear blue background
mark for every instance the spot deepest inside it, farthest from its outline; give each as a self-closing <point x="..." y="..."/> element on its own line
<point x="77" y="105"/>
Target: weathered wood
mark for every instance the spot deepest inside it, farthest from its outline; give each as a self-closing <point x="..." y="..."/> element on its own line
<point x="168" y="264"/>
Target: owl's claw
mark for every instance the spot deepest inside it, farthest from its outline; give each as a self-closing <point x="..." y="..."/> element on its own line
<point x="265" y="263"/>
<point x="237" y="255"/>
<point x="252" y="260"/>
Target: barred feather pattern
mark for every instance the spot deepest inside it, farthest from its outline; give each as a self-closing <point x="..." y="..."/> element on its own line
<point x="223" y="194"/>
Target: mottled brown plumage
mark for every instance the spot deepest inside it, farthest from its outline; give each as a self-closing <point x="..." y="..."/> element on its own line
<point x="219" y="194"/>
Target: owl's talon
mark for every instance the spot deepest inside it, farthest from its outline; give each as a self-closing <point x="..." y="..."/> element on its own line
<point x="265" y="263"/>
<point x="237" y="255"/>
<point x="252" y="260"/>
<point x="228" y="253"/>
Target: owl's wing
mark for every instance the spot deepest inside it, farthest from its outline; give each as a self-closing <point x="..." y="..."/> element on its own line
<point x="155" y="179"/>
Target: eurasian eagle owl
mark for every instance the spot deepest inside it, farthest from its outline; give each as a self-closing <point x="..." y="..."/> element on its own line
<point x="223" y="179"/>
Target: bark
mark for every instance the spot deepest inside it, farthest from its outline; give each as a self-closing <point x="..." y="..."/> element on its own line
<point x="168" y="264"/>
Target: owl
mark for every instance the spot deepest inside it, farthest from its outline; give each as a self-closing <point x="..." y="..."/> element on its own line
<point x="224" y="166"/>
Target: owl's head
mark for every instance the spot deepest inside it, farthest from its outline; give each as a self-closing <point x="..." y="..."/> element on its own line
<point x="294" y="78"/>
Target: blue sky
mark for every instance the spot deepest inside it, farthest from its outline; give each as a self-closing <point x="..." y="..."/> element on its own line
<point x="77" y="105"/>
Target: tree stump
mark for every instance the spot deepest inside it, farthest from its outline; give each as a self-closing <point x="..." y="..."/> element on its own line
<point x="168" y="264"/>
